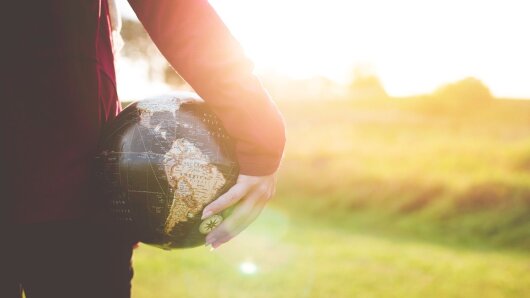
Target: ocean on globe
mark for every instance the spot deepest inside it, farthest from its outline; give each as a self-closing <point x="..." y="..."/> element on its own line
<point x="161" y="161"/>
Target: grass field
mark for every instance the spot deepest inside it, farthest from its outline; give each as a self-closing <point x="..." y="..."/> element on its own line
<point x="297" y="257"/>
<point x="381" y="198"/>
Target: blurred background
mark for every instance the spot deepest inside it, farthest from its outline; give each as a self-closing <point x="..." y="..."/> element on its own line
<point x="407" y="166"/>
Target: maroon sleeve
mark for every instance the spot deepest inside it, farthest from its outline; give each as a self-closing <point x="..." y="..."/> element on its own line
<point x="196" y="42"/>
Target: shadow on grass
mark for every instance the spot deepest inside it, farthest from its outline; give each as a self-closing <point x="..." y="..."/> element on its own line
<point x="461" y="232"/>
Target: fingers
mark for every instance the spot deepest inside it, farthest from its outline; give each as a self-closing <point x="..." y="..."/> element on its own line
<point x="229" y="198"/>
<point x="249" y="194"/>
<point x="244" y="214"/>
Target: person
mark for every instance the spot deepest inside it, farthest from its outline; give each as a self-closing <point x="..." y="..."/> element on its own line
<point x="58" y="89"/>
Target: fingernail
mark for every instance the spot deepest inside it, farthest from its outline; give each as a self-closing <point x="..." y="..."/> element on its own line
<point x="206" y="214"/>
<point x="210" y="241"/>
<point x="212" y="248"/>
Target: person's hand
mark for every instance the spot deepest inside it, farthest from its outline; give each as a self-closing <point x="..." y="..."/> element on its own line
<point x="250" y="193"/>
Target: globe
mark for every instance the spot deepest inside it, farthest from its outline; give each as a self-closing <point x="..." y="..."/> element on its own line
<point x="161" y="161"/>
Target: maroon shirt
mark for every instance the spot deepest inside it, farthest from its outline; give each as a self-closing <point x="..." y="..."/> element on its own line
<point x="58" y="90"/>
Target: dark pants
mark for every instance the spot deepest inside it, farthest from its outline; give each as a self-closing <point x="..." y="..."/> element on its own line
<point x="64" y="259"/>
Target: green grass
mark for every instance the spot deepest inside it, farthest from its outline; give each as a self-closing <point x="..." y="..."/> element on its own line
<point x="463" y="172"/>
<point x="306" y="257"/>
<point x="389" y="198"/>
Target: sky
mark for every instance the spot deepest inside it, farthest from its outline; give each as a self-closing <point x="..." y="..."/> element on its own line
<point x="413" y="46"/>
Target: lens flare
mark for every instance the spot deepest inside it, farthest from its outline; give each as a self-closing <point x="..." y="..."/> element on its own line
<point x="248" y="268"/>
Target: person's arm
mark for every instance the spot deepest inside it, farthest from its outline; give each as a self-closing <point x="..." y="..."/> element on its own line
<point x="201" y="49"/>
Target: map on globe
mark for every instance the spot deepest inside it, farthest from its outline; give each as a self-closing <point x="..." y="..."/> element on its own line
<point x="164" y="160"/>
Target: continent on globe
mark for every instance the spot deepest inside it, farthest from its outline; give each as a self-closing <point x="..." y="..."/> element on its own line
<point x="193" y="180"/>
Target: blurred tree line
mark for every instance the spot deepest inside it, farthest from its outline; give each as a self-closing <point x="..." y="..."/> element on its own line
<point x="364" y="85"/>
<point x="139" y="47"/>
<point x="468" y="90"/>
<point x="461" y="94"/>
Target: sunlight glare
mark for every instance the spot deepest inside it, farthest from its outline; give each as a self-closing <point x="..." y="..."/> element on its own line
<point x="248" y="268"/>
<point x="414" y="45"/>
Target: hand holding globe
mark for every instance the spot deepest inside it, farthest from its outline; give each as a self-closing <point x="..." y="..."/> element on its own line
<point x="250" y="195"/>
<point x="170" y="176"/>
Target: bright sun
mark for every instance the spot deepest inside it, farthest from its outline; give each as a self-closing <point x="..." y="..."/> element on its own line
<point x="414" y="46"/>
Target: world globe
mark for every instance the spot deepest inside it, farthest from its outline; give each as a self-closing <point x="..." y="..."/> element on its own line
<point x="161" y="161"/>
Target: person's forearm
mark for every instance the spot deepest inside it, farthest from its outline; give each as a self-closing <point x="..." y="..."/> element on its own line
<point x="199" y="46"/>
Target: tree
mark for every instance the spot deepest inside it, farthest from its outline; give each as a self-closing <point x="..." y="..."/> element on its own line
<point x="468" y="90"/>
<point x="366" y="85"/>
<point x="139" y="46"/>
